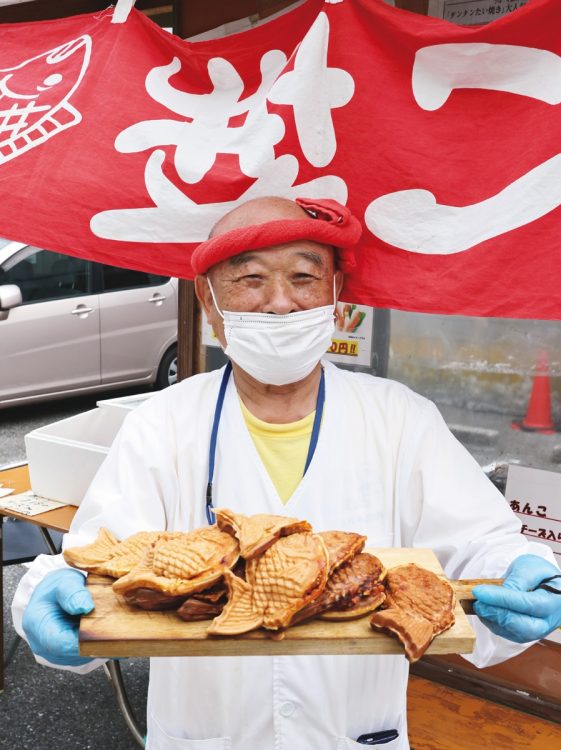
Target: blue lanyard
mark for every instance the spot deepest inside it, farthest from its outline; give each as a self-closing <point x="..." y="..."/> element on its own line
<point x="216" y="421"/>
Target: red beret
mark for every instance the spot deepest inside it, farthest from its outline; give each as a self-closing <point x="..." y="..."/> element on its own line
<point x="327" y="222"/>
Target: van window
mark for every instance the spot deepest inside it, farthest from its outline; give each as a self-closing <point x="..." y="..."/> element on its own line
<point x="114" y="278"/>
<point x="44" y="275"/>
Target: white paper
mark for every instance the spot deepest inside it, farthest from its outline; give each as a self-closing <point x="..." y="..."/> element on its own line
<point x="5" y="491"/>
<point x="28" y="504"/>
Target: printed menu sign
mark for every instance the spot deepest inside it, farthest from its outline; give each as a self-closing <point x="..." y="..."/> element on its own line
<point x="535" y="496"/>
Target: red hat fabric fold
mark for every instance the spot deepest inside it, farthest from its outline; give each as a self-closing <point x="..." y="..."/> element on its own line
<point x="328" y="222"/>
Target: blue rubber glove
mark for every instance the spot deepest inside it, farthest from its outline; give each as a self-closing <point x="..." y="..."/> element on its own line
<point x="515" y="610"/>
<point x="51" y="619"/>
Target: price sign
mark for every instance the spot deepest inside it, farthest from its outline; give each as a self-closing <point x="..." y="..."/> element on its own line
<point x="535" y="496"/>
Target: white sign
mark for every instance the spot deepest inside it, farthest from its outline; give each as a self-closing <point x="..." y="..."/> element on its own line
<point x="472" y="12"/>
<point x="535" y="496"/>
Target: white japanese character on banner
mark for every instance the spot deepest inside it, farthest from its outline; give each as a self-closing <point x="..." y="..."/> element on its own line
<point x="413" y="220"/>
<point x="198" y="142"/>
<point x="35" y="97"/>
<point x="208" y="132"/>
<point x="176" y="218"/>
<point x="313" y="89"/>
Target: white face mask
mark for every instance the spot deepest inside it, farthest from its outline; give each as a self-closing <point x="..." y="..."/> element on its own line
<point x="278" y="349"/>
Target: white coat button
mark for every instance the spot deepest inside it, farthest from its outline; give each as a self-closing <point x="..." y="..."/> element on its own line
<point x="287" y="709"/>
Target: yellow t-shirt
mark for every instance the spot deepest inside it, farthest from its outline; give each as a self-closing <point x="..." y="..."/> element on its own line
<point x="283" y="448"/>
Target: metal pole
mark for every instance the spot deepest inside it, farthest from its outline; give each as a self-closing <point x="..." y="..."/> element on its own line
<point x="113" y="672"/>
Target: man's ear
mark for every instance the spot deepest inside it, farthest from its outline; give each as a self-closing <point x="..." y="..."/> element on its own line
<point x="204" y="296"/>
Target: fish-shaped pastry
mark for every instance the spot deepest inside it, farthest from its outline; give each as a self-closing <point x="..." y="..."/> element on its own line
<point x="189" y="562"/>
<point x="291" y="573"/>
<point x="107" y="556"/>
<point x="258" y="532"/>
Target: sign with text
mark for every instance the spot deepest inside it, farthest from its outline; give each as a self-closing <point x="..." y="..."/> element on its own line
<point x="352" y="340"/>
<point x="535" y="496"/>
<point x="472" y="12"/>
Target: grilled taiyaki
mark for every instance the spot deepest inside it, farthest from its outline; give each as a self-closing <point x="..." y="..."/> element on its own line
<point x="342" y="546"/>
<point x="199" y="606"/>
<point x="152" y="600"/>
<point x="419" y="605"/>
<point x="89" y="556"/>
<point x="192" y="610"/>
<point x="107" y="556"/>
<point x="257" y="533"/>
<point x="240" y="614"/>
<point x="289" y="575"/>
<point x="189" y="562"/>
<point x="353" y="590"/>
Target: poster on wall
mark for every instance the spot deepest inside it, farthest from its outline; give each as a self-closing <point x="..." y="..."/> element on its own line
<point x="351" y="343"/>
<point x="352" y="340"/>
<point x="472" y="12"/>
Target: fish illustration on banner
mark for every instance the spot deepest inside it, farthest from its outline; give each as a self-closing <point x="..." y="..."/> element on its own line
<point x="442" y="139"/>
<point x="35" y="97"/>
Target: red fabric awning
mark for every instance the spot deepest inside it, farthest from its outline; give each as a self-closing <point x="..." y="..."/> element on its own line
<point x="124" y="144"/>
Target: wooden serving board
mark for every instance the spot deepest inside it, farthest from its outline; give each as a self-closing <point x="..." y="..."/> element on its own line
<point x="116" y="629"/>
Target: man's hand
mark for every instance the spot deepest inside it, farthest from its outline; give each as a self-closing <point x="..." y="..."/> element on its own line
<point x="51" y="619"/>
<point x="519" y="610"/>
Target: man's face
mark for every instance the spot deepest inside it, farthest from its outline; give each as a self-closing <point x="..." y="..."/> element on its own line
<point x="279" y="280"/>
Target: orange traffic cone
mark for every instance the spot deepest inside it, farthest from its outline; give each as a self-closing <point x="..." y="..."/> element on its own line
<point x="538" y="414"/>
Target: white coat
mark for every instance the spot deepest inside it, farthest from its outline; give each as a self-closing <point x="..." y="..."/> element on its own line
<point x="385" y="465"/>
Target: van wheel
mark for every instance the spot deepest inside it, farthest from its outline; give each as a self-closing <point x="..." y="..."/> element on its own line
<point x="167" y="371"/>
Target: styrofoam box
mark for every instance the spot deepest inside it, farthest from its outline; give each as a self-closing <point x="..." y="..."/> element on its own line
<point x="64" y="456"/>
<point x="125" y="402"/>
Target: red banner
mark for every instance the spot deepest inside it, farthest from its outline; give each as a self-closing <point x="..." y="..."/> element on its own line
<point x="124" y="144"/>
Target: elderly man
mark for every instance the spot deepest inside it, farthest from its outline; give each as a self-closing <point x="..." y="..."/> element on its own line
<point x="279" y="430"/>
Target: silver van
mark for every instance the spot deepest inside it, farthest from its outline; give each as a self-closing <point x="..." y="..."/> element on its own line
<point x="70" y="326"/>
